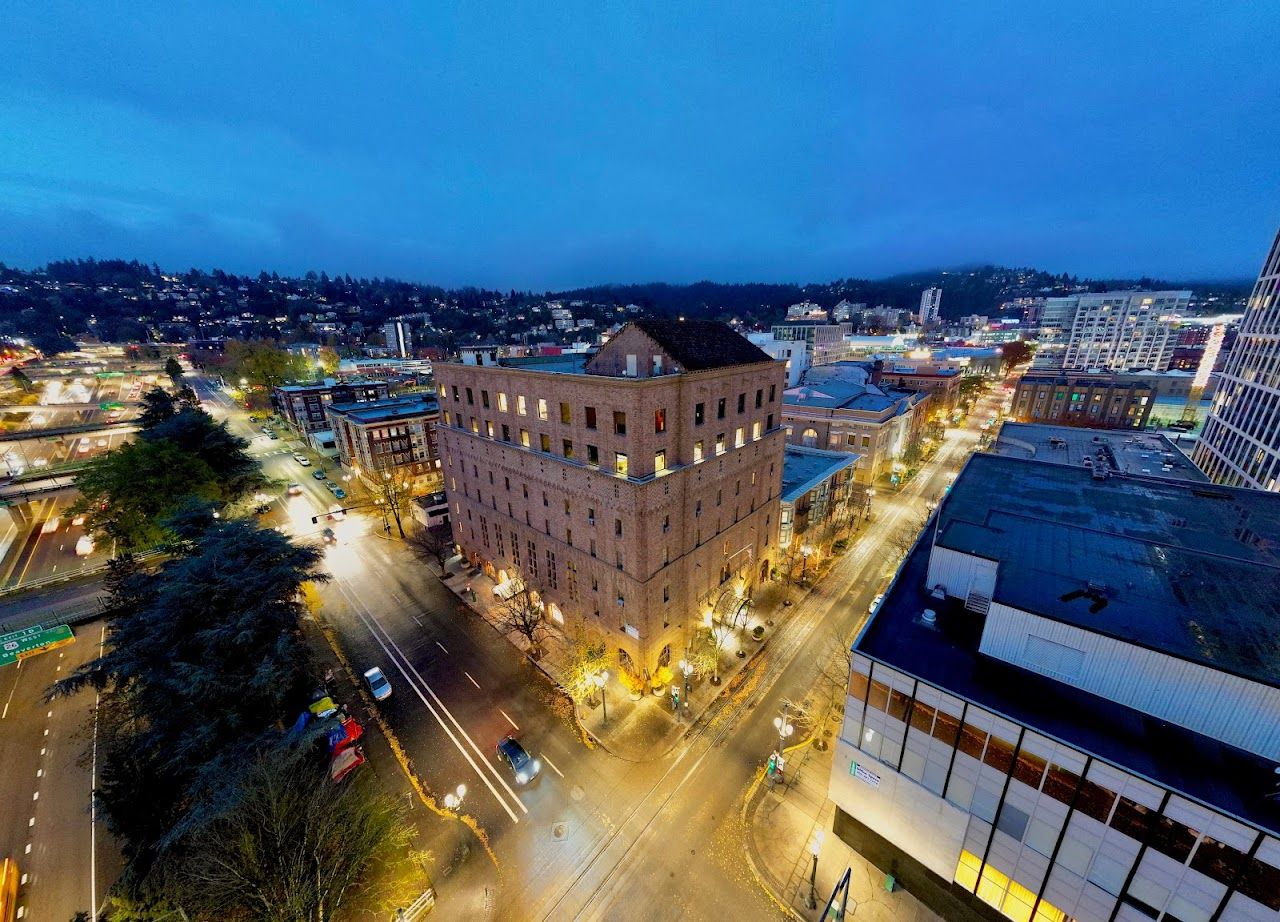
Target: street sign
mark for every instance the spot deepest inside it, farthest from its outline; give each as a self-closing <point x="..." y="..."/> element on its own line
<point x="21" y="632"/>
<point x="30" y="644"/>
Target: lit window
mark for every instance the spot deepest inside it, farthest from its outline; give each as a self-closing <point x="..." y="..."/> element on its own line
<point x="659" y="462"/>
<point x="720" y="444"/>
<point x="524" y="437"/>
<point x="739" y="437"/>
<point x="620" y="464"/>
<point x="521" y="407"/>
<point x="502" y="402"/>
<point x="697" y="451"/>
<point x="542" y="408"/>
<point x="755" y="430"/>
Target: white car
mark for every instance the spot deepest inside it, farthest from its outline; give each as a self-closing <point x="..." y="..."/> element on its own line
<point x="875" y="603"/>
<point x="294" y="489"/>
<point x="84" y="546"/>
<point x="379" y="687"/>
<point x="303" y="460"/>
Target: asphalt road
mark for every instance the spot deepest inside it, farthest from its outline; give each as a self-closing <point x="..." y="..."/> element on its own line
<point x="47" y="825"/>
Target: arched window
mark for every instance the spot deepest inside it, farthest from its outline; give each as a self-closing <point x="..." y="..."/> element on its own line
<point x="809" y="438"/>
<point x="664" y="658"/>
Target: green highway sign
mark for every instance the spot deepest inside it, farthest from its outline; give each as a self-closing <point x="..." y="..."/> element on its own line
<point x="30" y="641"/>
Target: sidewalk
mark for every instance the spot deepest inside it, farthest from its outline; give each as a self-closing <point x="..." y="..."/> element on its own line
<point x="645" y="727"/>
<point x="781" y="823"/>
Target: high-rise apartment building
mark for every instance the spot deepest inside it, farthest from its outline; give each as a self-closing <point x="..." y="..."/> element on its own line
<point x="399" y="338"/>
<point x="1109" y="331"/>
<point x="930" y="306"/>
<point x="1240" y="445"/>
<point x="825" y="342"/>
<point x="636" y="489"/>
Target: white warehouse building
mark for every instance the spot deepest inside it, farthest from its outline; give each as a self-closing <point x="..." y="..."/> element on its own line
<point x="1068" y="704"/>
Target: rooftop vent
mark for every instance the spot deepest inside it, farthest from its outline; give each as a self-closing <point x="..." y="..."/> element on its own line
<point x="929" y="617"/>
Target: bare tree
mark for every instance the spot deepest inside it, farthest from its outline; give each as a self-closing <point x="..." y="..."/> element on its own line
<point x="704" y="652"/>
<point x="587" y="657"/>
<point x="522" y="613"/>
<point x="390" y="491"/>
<point x="433" y="545"/>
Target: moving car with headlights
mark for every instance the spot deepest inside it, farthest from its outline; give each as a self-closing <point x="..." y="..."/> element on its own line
<point x="525" y="766"/>
<point x="379" y="687"/>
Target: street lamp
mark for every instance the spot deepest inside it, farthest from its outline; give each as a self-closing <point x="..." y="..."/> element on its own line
<point x="815" y="846"/>
<point x="805" y="551"/>
<point x="453" y="800"/>
<point x="785" y="727"/>
<point x="600" y="678"/>
<point x="687" y="668"/>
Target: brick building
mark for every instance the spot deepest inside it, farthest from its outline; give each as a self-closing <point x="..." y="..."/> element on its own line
<point x="396" y="435"/>
<point x="304" y="406"/>
<point x="636" y="489"/>
<point x="1099" y="401"/>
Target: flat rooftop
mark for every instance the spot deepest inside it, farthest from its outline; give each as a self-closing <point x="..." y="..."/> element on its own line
<point x="1189" y="569"/>
<point x="567" y="363"/>
<point x="947" y="656"/>
<point x="804" y="468"/>
<point x="379" y="411"/>
<point x="1130" y="452"/>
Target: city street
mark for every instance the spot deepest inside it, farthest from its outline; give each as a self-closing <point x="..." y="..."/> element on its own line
<point x="47" y="824"/>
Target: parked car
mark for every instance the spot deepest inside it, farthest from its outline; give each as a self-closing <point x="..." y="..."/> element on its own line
<point x="318" y="475"/>
<point x="524" y="766"/>
<point x="303" y="460"/>
<point x="875" y="603"/>
<point x="330" y="485"/>
<point x="340" y="493"/>
<point x="379" y="687"/>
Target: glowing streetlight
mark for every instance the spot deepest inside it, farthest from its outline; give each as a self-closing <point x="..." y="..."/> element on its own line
<point x="599" y="679"/>
<point x="453" y="800"/>
<point x="815" y="846"/>
<point x="687" y="668"/>
<point x="784" y="727"/>
<point x="805" y="551"/>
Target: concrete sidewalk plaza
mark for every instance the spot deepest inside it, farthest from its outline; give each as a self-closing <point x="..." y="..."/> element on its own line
<point x="784" y="820"/>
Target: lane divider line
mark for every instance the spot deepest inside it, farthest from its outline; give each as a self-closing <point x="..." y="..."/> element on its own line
<point x="509" y="720"/>
<point x="473" y="681"/>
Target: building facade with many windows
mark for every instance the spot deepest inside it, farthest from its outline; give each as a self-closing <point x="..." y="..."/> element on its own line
<point x="1240" y="445"/>
<point x="395" y="436"/>
<point x="1068" y="704"/>
<point x="1095" y="401"/>
<point x="633" y="488"/>
<point x="305" y="406"/>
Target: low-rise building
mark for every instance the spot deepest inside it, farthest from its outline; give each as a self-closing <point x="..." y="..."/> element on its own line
<point x="1067" y="705"/>
<point x="820" y="504"/>
<point x="839" y="409"/>
<point x="304" y="406"/>
<point x="396" y="435"/>
<point x="793" y="353"/>
<point x="824" y="341"/>
<point x="1149" y="454"/>
<point x="940" y="382"/>
<point x="1096" y="401"/>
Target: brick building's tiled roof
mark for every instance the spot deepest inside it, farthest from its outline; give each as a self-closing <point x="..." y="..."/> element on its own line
<point x="701" y="344"/>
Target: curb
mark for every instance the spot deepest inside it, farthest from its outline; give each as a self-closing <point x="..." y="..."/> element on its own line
<point x="750" y="803"/>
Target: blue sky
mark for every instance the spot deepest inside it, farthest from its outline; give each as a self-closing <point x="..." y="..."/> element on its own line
<point x="549" y="145"/>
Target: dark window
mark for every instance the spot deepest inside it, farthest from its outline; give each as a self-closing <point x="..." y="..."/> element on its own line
<point x="699" y="414"/>
<point x="593" y="454"/>
<point x="879" y="697"/>
<point x="1061" y="783"/>
<point x="1172" y="838"/>
<point x="1095" y="801"/>
<point x="484" y="399"/>
<point x="946" y="727"/>
<point x="545" y="441"/>
<point x="591" y="417"/>
<point x="858" y="686"/>
<point x="772" y="390"/>
<point x="769" y="425"/>
<point x="568" y="448"/>
<point x="999" y="754"/>
<point x="660" y="420"/>
<point x="720" y="408"/>
<point x="922" y="717"/>
<point x="1130" y="818"/>
<point x="1217" y="860"/>
<point x="759" y="397"/>
<point x="1262" y="883"/>
<point x="1029" y="769"/>
<point x="897" y="704"/>
<point x="742" y="403"/>
<point x="619" y="422"/>
<point x="972" y="741"/>
<point x="471" y="398"/>
<point x="566" y="414"/>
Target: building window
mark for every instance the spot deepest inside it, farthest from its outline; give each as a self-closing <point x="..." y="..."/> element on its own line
<point x="720" y="408"/>
<point x="659" y="461"/>
<point x="488" y="428"/>
<point x="551" y="570"/>
<point x="502" y="402"/>
<point x="742" y="403"/>
<point x="475" y="426"/>
<point x="697" y="451"/>
<point x="772" y="389"/>
<point x="593" y="456"/>
<point x="617" y="527"/>
<point x="755" y="430"/>
<point x="506" y="433"/>
<point x="739" y="437"/>
<point x="524" y="437"/>
<point x="697" y="508"/>
<point x="620" y="464"/>
<point x="660" y="420"/>
<point x="566" y="414"/>
<point x="542" y="409"/>
<point x="619" y="422"/>
<point x="456" y="398"/>
<point x="591" y="417"/>
<point x="666" y="524"/>
<point x="699" y="414"/>
<point x="521" y="407"/>
<point x="568" y="448"/>
<point x="544" y="442"/>
<point x="759" y="397"/>
<point x="484" y="399"/>
<point x="720" y="444"/>
<point x="471" y="398"/>
<point x="809" y="438"/>
<point x="666" y="593"/>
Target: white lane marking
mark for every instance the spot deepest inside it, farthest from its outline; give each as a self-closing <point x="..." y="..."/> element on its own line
<point x="46" y="731"/>
<point x="50" y="714"/>
<point x="28" y="851"/>
<point x="31" y="822"/>
<point x="473" y="681"/>
<point x="39" y="772"/>
<point x="405" y="667"/>
<point x="441" y="646"/>
<point x="417" y="621"/>
<point x="509" y="720"/>
<point x="546" y="758"/>
<point x="35" y="796"/>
